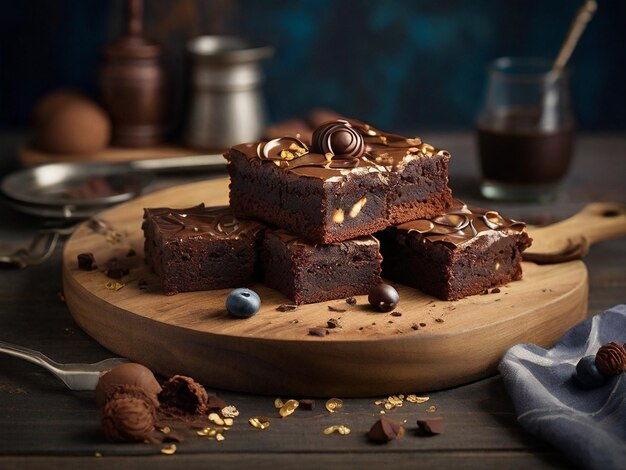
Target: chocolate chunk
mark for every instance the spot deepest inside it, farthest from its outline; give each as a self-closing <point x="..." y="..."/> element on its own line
<point x="116" y="268"/>
<point x="184" y="394"/>
<point x="422" y="325"/>
<point x="432" y="426"/>
<point x="306" y="404"/>
<point x="286" y="308"/>
<point x="439" y="320"/>
<point x="385" y="430"/>
<point x="396" y="314"/>
<point x="495" y="291"/>
<point x="86" y="262"/>
<point x="415" y="326"/>
<point x="351" y="301"/>
<point x="318" y="332"/>
<point x="383" y="298"/>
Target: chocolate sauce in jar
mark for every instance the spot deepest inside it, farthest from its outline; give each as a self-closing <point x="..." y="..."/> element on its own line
<point x="514" y="149"/>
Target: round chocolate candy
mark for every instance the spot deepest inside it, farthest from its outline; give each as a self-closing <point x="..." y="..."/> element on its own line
<point x="587" y="374"/>
<point x="243" y="303"/>
<point x="338" y="138"/>
<point x="383" y="298"/>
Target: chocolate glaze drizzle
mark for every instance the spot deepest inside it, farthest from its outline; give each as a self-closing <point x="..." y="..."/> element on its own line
<point x="460" y="224"/>
<point x="201" y="222"/>
<point x="339" y="148"/>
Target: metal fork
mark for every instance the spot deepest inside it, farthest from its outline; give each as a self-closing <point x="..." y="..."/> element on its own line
<point x="43" y="245"/>
<point x="75" y="376"/>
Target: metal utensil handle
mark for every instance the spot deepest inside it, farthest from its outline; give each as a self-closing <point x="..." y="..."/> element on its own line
<point x="31" y="356"/>
<point x="192" y="162"/>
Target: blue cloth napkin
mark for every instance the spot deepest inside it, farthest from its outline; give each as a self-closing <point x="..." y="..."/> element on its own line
<point x="588" y="426"/>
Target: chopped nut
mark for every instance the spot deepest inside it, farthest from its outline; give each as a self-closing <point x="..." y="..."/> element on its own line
<point x="431" y="409"/>
<point x="114" y="285"/>
<point x="259" y="422"/>
<point x="497" y="266"/>
<point x="415" y="399"/>
<point x="334" y="404"/>
<point x="230" y="411"/>
<point x="338" y="216"/>
<point x="337" y="428"/>
<point x="216" y="419"/>
<point x="356" y="208"/>
<point x="169" y="450"/>
<point x="229" y="422"/>
<point x="288" y="408"/>
<point x="278" y="403"/>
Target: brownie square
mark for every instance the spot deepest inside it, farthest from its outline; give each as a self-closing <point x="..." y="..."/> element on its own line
<point x="308" y="273"/>
<point x="462" y="252"/>
<point x="326" y="196"/>
<point x="200" y="248"/>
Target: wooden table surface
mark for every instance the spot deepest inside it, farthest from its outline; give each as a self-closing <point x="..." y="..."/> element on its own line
<point x="45" y="425"/>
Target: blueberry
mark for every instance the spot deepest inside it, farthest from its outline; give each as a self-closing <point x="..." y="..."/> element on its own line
<point x="243" y="303"/>
<point x="587" y="374"/>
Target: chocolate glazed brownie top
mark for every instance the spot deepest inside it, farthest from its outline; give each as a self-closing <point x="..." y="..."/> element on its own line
<point x="460" y="224"/>
<point x="293" y="240"/>
<point x="201" y="222"/>
<point x="339" y="148"/>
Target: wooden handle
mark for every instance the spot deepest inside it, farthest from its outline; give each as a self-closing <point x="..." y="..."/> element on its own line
<point x="570" y="238"/>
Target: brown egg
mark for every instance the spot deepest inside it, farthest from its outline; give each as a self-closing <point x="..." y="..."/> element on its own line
<point x="47" y="105"/>
<point x="71" y="124"/>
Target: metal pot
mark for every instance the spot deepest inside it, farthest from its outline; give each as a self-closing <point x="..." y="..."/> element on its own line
<point x="226" y="106"/>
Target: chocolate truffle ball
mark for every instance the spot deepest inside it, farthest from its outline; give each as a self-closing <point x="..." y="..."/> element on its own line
<point x="611" y="359"/>
<point x="127" y="374"/>
<point x="383" y="298"/>
<point x="338" y="138"/>
<point x="128" y="417"/>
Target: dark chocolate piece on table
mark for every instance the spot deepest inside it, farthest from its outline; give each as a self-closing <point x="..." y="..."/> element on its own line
<point x="309" y="273"/>
<point x="357" y="182"/>
<point x="385" y="430"/>
<point x="200" y="248"/>
<point x="383" y="297"/>
<point x="462" y="252"/>
<point x="117" y="268"/>
<point x="432" y="426"/>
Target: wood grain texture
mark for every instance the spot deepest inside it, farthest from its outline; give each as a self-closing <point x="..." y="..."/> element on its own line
<point x="271" y="353"/>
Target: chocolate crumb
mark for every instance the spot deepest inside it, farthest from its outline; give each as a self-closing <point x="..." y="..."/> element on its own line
<point x="415" y="326"/>
<point x="396" y="314"/>
<point x="422" y="325"/>
<point x="431" y="426"/>
<point x="336" y="309"/>
<point x="86" y="262"/>
<point x="495" y="291"/>
<point x="334" y="323"/>
<point x="286" y="308"/>
<point x="184" y="394"/>
<point x="306" y="404"/>
<point x="390" y="321"/>
<point x="116" y="268"/>
<point x="351" y="301"/>
<point x="321" y="332"/>
<point x="439" y="320"/>
<point x="361" y="329"/>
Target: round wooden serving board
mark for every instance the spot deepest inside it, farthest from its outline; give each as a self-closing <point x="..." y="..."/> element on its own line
<point x="272" y="353"/>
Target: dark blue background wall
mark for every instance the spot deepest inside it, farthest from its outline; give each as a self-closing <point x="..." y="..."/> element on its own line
<point x="398" y="64"/>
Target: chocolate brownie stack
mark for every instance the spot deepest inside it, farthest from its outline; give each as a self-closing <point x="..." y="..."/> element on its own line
<point x="327" y="199"/>
<point x="322" y="202"/>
